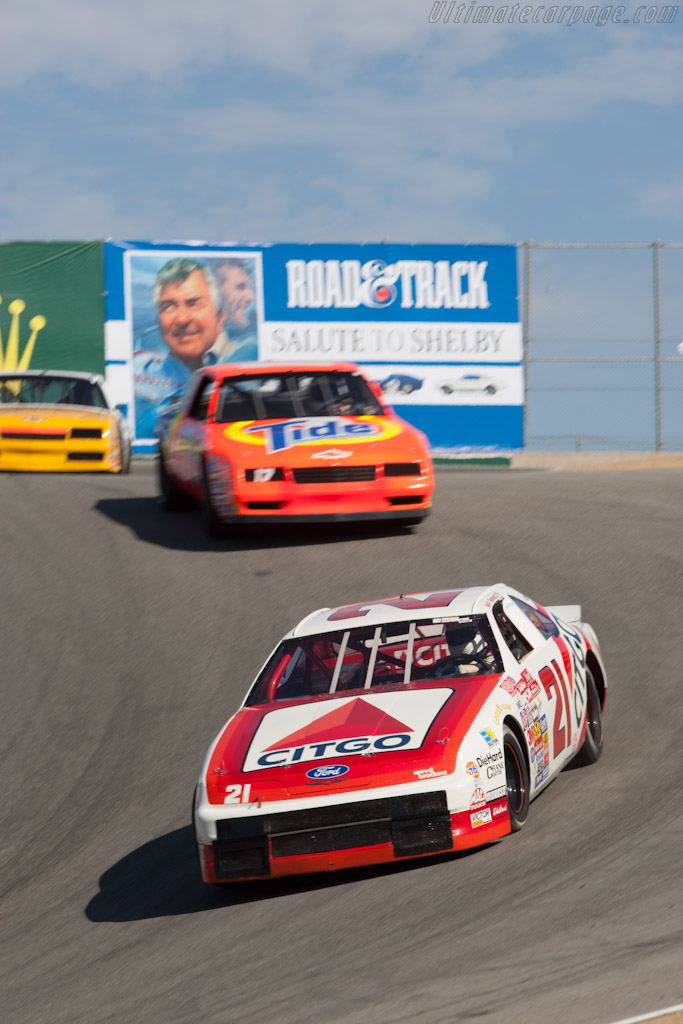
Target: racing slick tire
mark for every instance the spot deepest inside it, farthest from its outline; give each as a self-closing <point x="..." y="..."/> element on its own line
<point x="174" y="499"/>
<point x="591" y="748"/>
<point x="516" y="780"/>
<point x="126" y="454"/>
<point x="216" y="527"/>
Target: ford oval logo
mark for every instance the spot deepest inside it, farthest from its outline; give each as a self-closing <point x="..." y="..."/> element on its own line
<point x="327" y="772"/>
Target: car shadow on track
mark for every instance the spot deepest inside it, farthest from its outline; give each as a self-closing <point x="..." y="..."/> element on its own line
<point x="184" y="531"/>
<point x="161" y="879"/>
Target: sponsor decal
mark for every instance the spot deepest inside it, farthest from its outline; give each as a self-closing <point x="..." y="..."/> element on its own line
<point x="375" y="284"/>
<point x="482" y="817"/>
<point x="289" y="433"/>
<point x="332" y="453"/>
<point x="283" y="434"/>
<point x="478" y="799"/>
<point x="493" y="763"/>
<point x="492" y="598"/>
<point x="508" y="684"/>
<point x="327" y="772"/>
<point x="576" y="644"/>
<point x="428" y="773"/>
<point x="500" y="711"/>
<point x="472" y="769"/>
<point x="495" y="794"/>
<point x="344" y="727"/>
<point x="534" y="689"/>
<point x="532" y="753"/>
<point x="524" y="717"/>
<point x="489" y="736"/>
<point x="499" y="809"/>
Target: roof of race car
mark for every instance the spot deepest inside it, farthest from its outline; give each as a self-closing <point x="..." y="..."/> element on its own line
<point x="432" y="604"/>
<point x="221" y="370"/>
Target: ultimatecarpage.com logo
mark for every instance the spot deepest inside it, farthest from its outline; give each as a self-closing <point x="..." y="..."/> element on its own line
<point x="473" y="13"/>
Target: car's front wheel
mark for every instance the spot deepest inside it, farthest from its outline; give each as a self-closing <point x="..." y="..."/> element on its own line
<point x="516" y="780"/>
<point x="591" y="748"/>
<point x="126" y="453"/>
<point x="216" y="527"/>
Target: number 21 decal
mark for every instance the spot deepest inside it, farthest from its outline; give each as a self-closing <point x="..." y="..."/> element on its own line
<point x="552" y="679"/>
<point x="237" y="794"/>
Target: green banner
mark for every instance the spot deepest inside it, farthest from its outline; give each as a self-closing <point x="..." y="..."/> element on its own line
<point x="51" y="306"/>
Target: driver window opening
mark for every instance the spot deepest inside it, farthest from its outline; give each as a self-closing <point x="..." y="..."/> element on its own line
<point x="519" y="647"/>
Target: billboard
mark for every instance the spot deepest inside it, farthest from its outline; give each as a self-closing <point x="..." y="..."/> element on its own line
<point x="436" y="325"/>
<point x="51" y="306"/>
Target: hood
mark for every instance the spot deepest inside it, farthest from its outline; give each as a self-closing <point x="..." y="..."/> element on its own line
<point x="323" y="440"/>
<point x="20" y="413"/>
<point x="324" y="746"/>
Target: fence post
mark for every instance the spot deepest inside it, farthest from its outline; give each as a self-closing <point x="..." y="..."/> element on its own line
<point x="658" y="346"/>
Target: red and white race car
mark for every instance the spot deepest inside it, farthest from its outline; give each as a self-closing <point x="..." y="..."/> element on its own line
<point x="292" y="443"/>
<point x="399" y="728"/>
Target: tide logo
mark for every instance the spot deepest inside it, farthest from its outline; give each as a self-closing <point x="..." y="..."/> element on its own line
<point x="283" y="434"/>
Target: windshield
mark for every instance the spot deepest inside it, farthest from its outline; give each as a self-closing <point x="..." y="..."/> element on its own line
<point x="46" y="390"/>
<point x="363" y="658"/>
<point x="285" y="395"/>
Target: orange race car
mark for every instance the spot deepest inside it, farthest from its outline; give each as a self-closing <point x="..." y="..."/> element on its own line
<point x="292" y="443"/>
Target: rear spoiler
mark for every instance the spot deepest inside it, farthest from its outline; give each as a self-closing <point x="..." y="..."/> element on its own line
<point x="568" y="612"/>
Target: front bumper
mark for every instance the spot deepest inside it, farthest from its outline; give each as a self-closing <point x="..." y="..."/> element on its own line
<point x="345" y="835"/>
<point x="409" y="512"/>
<point x="69" y="457"/>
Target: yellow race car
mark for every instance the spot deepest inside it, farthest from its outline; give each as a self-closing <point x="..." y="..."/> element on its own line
<point x="60" y="421"/>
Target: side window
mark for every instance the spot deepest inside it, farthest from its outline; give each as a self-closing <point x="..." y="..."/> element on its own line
<point x="511" y="635"/>
<point x="200" y="404"/>
<point x="543" y="623"/>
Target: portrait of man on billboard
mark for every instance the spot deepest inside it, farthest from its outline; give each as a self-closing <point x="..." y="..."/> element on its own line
<point x="188" y="311"/>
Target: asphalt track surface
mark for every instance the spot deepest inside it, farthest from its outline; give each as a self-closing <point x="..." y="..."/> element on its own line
<point x="128" y="639"/>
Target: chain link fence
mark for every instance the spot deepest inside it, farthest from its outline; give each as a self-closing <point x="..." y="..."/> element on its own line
<point x="603" y="346"/>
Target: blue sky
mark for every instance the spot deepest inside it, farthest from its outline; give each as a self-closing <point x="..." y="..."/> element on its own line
<point x="314" y="120"/>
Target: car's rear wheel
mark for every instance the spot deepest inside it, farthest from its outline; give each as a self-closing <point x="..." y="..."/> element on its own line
<point x="516" y="780"/>
<point x="591" y="748"/>
<point x="174" y="499"/>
